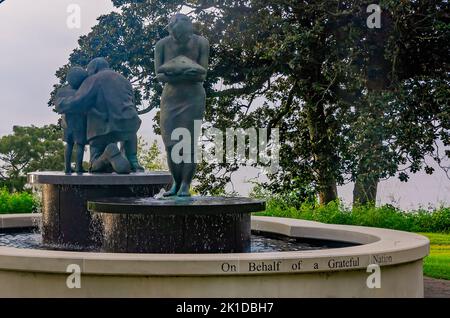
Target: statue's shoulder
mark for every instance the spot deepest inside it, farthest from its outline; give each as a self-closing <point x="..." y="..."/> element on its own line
<point x="100" y="76"/>
<point x="201" y="39"/>
<point x="105" y="76"/>
<point x="163" y="41"/>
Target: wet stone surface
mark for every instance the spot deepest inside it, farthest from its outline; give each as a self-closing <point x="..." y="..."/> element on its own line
<point x="65" y="218"/>
<point x="61" y="178"/>
<point x="176" y="224"/>
<point x="176" y="205"/>
<point x="259" y="243"/>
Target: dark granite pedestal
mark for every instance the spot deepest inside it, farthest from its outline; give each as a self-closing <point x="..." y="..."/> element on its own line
<point x="176" y="225"/>
<point x="65" y="218"/>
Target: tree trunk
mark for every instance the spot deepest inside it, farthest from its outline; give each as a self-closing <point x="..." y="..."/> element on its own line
<point x="377" y="80"/>
<point x="323" y="152"/>
<point x="365" y="191"/>
<point x="328" y="193"/>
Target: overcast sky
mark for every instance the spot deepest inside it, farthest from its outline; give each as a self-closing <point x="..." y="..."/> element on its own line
<point x="35" y="41"/>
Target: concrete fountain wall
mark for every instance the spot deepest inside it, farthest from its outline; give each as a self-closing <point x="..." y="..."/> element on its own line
<point x="317" y="273"/>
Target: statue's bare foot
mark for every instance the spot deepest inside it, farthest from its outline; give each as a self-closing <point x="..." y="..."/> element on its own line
<point x="184" y="190"/>
<point x="172" y="192"/>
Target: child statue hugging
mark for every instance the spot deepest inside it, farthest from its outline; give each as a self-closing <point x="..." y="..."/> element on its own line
<point x="74" y="123"/>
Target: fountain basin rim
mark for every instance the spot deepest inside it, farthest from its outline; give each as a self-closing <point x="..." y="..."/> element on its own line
<point x="138" y="178"/>
<point x="382" y="246"/>
<point x="177" y="206"/>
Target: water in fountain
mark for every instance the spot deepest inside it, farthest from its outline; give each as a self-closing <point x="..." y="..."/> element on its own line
<point x="260" y="243"/>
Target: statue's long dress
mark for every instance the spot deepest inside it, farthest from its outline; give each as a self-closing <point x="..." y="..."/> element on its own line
<point x="181" y="105"/>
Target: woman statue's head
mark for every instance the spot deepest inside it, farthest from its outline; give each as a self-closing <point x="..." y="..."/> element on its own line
<point x="181" y="28"/>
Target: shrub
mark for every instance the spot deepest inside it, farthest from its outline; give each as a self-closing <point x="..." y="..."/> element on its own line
<point x="386" y="216"/>
<point x="17" y="202"/>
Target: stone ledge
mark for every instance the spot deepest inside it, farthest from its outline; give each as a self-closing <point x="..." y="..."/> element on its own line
<point x="26" y="220"/>
<point x="60" y="178"/>
<point x="196" y="205"/>
<point x="382" y="246"/>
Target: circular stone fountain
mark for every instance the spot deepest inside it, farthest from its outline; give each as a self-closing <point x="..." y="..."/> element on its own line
<point x="176" y="225"/>
<point x="329" y="272"/>
<point x="192" y="247"/>
<point x="65" y="218"/>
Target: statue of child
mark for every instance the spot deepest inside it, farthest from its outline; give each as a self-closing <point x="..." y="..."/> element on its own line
<point x="74" y="123"/>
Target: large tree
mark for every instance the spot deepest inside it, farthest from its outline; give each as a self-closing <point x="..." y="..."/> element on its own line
<point x="29" y="149"/>
<point x="310" y="68"/>
<point x="409" y="50"/>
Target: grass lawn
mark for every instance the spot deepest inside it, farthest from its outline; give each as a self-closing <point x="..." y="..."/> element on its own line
<point x="437" y="264"/>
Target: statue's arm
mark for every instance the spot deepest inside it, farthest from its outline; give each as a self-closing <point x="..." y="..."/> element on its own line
<point x="203" y="60"/>
<point x="58" y="99"/>
<point x="82" y="101"/>
<point x="159" y="61"/>
<point x="63" y="108"/>
<point x="204" y="53"/>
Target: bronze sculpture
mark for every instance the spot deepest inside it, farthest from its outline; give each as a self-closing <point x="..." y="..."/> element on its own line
<point x="73" y="123"/>
<point x="108" y="99"/>
<point x="181" y="63"/>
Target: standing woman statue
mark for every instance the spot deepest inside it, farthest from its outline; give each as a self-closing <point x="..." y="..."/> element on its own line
<point x="181" y="62"/>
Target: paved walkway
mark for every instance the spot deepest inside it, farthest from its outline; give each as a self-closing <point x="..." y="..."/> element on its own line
<point x="436" y="288"/>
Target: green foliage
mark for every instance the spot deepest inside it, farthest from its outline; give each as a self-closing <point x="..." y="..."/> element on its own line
<point x="348" y="100"/>
<point x="150" y="157"/>
<point x="386" y="216"/>
<point x="437" y="264"/>
<point x="29" y="149"/>
<point x="290" y="199"/>
<point x="16" y="202"/>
